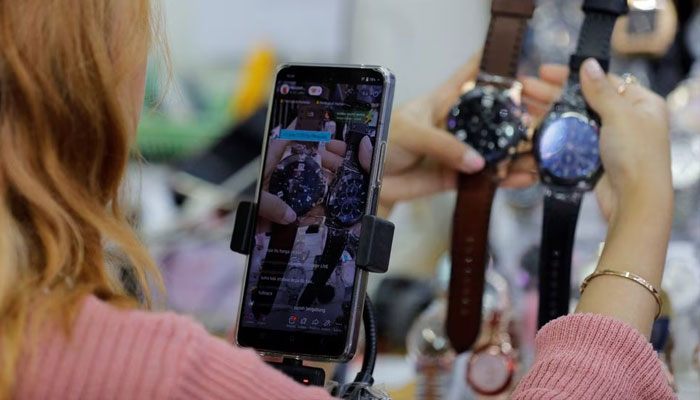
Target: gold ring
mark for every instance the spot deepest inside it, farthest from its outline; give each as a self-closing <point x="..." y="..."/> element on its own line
<point x="627" y="79"/>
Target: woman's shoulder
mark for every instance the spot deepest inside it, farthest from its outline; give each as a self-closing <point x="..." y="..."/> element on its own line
<point x="134" y="354"/>
<point x="112" y="353"/>
<point x="96" y="312"/>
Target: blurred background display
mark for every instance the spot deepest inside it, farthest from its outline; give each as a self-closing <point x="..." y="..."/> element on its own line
<point x="202" y="131"/>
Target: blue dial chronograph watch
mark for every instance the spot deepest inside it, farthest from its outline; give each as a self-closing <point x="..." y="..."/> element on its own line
<point x="566" y="148"/>
<point x="568" y="151"/>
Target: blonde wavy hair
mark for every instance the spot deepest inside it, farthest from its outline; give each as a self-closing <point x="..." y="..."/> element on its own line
<point x="65" y="133"/>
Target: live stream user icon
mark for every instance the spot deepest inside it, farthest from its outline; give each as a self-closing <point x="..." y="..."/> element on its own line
<point x="315" y="91"/>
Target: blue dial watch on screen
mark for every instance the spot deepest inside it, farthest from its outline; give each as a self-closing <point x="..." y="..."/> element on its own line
<point x="566" y="148"/>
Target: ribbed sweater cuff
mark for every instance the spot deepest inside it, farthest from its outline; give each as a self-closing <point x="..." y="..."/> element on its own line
<point x="587" y="356"/>
<point x="215" y="369"/>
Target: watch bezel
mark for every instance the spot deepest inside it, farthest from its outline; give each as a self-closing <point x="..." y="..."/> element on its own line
<point x="502" y="90"/>
<point x="560" y="111"/>
<point x="496" y="350"/>
<point x="336" y="187"/>
<point x="317" y="172"/>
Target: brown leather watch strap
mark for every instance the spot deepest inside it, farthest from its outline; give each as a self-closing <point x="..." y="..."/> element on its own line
<point x="469" y="256"/>
<point x="505" y="36"/>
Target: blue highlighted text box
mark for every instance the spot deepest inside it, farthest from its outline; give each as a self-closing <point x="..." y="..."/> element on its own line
<point x="305" y="136"/>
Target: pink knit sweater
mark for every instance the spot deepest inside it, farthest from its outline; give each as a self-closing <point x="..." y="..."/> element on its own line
<point x="115" y="354"/>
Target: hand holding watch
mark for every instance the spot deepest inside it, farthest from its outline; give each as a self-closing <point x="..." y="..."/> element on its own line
<point x="489" y="117"/>
<point x="566" y="149"/>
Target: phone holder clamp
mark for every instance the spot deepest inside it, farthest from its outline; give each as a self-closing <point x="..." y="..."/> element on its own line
<point x="373" y="254"/>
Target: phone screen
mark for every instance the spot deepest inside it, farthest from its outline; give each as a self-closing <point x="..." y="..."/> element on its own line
<point x="301" y="280"/>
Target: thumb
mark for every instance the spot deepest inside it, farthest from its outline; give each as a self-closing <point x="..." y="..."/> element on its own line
<point x="599" y="93"/>
<point x="274" y="209"/>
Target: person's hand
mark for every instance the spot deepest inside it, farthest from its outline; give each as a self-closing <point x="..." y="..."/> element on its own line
<point x="539" y="93"/>
<point x="635" y="194"/>
<point x="634" y="142"/>
<point x="334" y="154"/>
<point x="272" y="208"/>
<point x="424" y="159"/>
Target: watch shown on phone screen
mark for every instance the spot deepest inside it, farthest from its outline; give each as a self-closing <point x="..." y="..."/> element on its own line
<point x="345" y="206"/>
<point x="489" y="118"/>
<point x="298" y="181"/>
<point x="566" y="149"/>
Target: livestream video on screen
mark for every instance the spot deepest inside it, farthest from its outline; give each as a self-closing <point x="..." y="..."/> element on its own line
<point x="313" y="195"/>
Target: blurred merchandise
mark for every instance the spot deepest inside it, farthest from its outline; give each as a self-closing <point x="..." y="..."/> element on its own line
<point x="684" y="108"/>
<point x="397" y="302"/>
<point x="430" y="352"/>
<point x="554" y="32"/>
<point x="648" y="29"/>
<point x="492" y="366"/>
<point x="203" y="279"/>
<point x="682" y="277"/>
<point x="181" y="115"/>
<point x="255" y="82"/>
<point x="223" y="171"/>
<point x="525" y="199"/>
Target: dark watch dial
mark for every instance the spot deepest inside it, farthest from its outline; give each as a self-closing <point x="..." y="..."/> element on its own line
<point x="567" y="149"/>
<point x="298" y="181"/>
<point x="487" y="119"/>
<point x="347" y="199"/>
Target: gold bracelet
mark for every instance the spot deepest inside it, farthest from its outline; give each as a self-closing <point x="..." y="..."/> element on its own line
<point x="630" y="276"/>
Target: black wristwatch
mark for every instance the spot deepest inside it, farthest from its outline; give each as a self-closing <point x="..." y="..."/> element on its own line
<point x="298" y="180"/>
<point x="566" y="149"/>
<point x="346" y="203"/>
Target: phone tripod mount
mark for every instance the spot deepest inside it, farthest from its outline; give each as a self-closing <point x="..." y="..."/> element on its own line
<point x="373" y="254"/>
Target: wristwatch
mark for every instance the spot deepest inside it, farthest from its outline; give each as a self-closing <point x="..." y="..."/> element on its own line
<point x="346" y="203"/>
<point x="430" y="352"/>
<point x="491" y="367"/>
<point x="489" y="118"/>
<point x="566" y="149"/>
<point x="298" y="181"/>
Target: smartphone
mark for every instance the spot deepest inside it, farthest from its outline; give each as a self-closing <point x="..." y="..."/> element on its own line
<point x="323" y="154"/>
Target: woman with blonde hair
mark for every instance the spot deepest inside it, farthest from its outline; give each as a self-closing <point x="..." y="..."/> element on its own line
<point x="72" y="78"/>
